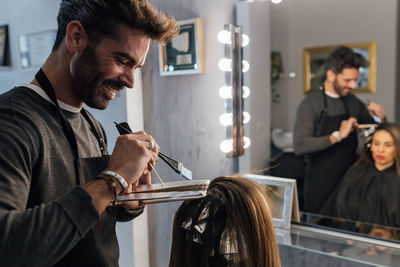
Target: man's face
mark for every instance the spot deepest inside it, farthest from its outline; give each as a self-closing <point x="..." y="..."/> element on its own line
<point x="100" y="72"/>
<point x="346" y="81"/>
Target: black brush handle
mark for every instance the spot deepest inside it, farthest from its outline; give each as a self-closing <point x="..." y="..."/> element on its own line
<point x="123" y="128"/>
<point x="174" y="164"/>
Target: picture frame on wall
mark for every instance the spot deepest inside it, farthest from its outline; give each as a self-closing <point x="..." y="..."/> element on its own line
<point x="184" y="54"/>
<point x="314" y="66"/>
<point x="35" y="47"/>
<point x="4" y="46"/>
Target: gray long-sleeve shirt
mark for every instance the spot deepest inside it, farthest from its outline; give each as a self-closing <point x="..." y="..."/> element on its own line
<point x="310" y="109"/>
<point x="43" y="214"/>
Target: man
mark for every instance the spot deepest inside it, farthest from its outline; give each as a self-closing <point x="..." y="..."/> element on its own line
<point x="325" y="127"/>
<point x="53" y="210"/>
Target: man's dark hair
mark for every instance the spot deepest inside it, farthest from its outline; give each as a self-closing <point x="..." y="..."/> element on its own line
<point x="343" y="57"/>
<point x="101" y="18"/>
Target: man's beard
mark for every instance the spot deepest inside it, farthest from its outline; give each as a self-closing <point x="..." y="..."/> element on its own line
<point x="87" y="80"/>
<point x="340" y="89"/>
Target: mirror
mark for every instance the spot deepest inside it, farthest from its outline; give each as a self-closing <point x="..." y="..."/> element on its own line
<point x="283" y="194"/>
<point x="301" y="24"/>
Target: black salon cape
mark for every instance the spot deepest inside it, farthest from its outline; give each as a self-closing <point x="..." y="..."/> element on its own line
<point x="369" y="195"/>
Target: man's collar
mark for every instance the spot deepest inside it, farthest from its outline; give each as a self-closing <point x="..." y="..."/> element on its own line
<point x="43" y="94"/>
<point x="332" y="94"/>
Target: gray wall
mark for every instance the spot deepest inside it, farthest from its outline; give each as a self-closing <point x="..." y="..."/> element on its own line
<point x="254" y="18"/>
<point x="306" y="23"/>
<point x="182" y="113"/>
<point x="397" y="96"/>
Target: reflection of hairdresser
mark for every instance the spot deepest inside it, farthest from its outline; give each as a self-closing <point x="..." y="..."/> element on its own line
<point x="370" y="189"/>
<point x="231" y="226"/>
<point x="325" y="126"/>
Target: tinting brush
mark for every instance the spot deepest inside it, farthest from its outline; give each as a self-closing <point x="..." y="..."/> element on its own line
<point x="123" y="128"/>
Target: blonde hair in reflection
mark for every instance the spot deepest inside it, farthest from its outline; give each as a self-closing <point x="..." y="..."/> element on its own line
<point x="231" y="226"/>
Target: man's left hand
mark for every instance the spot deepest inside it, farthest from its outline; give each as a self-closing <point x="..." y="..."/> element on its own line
<point x="145" y="179"/>
<point x="376" y="109"/>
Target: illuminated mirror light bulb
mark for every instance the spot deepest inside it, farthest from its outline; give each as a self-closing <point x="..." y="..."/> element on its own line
<point x="246" y="91"/>
<point x="276" y="1"/>
<point x="245" y="66"/>
<point x="292" y="74"/>
<point x="224" y="37"/>
<point x="225" y="64"/>
<point x="246" y="117"/>
<point x="246" y="142"/>
<point x="245" y="40"/>
<point x="226" y="146"/>
<point x="225" y="92"/>
<point x="226" y="119"/>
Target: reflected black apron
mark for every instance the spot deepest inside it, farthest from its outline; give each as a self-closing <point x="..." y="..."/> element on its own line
<point x="325" y="169"/>
<point x="100" y="246"/>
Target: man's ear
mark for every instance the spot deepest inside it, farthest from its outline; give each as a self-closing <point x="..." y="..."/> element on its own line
<point x="330" y="76"/>
<point x="75" y="36"/>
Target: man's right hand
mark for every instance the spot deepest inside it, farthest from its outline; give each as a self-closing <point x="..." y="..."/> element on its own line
<point x="132" y="157"/>
<point x="346" y="127"/>
<point x="133" y="160"/>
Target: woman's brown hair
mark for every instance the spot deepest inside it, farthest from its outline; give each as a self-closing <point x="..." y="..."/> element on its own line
<point x="231" y="226"/>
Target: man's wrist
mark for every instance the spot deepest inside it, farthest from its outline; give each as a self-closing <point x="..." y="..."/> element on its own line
<point x="118" y="178"/>
<point x="100" y="192"/>
<point x="336" y="135"/>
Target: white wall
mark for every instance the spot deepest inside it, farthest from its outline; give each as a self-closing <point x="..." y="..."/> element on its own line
<point x="297" y="24"/>
<point x="23" y="17"/>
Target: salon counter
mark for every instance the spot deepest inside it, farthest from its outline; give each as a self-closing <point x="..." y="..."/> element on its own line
<point x="305" y="245"/>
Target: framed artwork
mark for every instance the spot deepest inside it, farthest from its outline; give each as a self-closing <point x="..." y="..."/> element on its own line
<point x="184" y="54"/>
<point x="4" y="47"/>
<point x="276" y="66"/>
<point x="283" y="193"/>
<point x="314" y="66"/>
<point x="35" y="47"/>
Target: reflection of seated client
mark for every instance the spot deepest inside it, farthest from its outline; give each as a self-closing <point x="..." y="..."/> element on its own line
<point x="231" y="226"/>
<point x="370" y="189"/>
<point x="374" y="253"/>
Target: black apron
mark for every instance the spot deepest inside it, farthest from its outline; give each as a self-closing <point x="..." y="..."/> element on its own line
<point x="100" y="246"/>
<point x="325" y="169"/>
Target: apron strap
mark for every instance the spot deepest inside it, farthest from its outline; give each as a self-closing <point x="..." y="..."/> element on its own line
<point x="100" y="140"/>
<point x="49" y="90"/>
<point x="67" y="129"/>
<point x="325" y="101"/>
<point x="346" y="107"/>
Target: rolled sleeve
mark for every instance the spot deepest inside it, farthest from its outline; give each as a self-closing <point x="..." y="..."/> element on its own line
<point x="80" y="208"/>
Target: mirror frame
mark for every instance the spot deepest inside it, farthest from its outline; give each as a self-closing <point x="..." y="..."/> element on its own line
<point x="370" y="46"/>
<point x="290" y="210"/>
